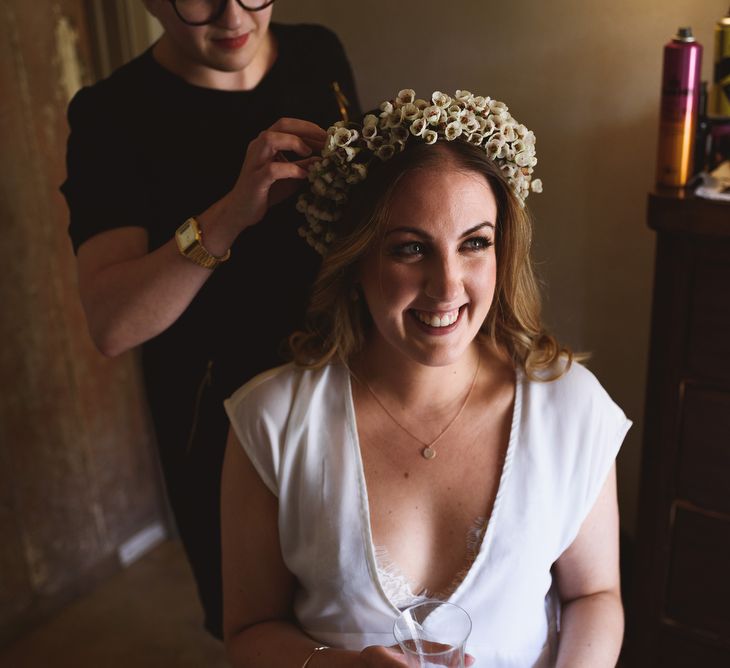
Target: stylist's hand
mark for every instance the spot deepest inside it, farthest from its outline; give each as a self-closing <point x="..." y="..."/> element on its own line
<point x="267" y="177"/>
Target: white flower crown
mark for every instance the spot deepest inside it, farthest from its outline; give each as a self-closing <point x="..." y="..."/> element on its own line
<point x="350" y="148"/>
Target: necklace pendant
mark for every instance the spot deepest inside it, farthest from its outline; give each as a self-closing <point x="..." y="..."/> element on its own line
<point x="428" y="452"/>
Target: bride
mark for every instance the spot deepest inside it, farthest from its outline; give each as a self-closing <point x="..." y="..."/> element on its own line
<point x="430" y="439"/>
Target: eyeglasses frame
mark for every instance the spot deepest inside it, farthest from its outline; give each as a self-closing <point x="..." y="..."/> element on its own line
<point x="218" y="12"/>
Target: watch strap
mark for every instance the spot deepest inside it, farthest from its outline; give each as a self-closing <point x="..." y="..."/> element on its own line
<point x="196" y="252"/>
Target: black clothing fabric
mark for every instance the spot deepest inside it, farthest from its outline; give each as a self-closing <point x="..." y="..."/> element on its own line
<point x="148" y="149"/>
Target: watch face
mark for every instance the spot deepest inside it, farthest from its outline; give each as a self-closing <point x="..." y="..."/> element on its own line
<point x="187" y="236"/>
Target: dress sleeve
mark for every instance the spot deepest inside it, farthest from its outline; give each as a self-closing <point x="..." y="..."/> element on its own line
<point x="591" y="429"/>
<point x="258" y="412"/>
<point x="104" y="188"/>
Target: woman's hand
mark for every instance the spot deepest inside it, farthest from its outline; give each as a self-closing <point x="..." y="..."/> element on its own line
<point x="377" y="656"/>
<point x="267" y="177"/>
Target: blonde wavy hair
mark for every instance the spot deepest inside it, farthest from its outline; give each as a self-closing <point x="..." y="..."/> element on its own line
<point x="337" y="322"/>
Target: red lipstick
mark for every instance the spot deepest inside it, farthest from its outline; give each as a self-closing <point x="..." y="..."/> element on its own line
<point x="232" y="43"/>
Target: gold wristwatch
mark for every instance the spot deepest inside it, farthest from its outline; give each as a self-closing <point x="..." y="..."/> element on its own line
<point x="189" y="239"/>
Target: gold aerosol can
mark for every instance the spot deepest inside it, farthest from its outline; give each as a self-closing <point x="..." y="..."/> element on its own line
<point x="679" y="104"/>
<point x="720" y="92"/>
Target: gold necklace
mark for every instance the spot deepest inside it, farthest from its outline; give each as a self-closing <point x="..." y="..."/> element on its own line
<point x="428" y="451"/>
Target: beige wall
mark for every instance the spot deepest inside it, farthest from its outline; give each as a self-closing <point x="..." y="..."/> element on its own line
<point x="585" y="76"/>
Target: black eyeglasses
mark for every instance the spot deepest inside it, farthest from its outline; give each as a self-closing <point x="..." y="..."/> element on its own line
<point x="202" y="12"/>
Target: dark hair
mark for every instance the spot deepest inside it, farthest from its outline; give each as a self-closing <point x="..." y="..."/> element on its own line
<point x="337" y="323"/>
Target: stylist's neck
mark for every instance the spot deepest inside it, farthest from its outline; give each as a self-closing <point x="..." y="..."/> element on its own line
<point x="197" y="73"/>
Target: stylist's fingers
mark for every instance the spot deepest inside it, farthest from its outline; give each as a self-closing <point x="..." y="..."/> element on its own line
<point x="299" y="127"/>
<point x="269" y="143"/>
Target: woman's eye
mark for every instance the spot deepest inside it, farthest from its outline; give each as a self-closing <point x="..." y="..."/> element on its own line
<point x="410" y="249"/>
<point x="478" y="243"/>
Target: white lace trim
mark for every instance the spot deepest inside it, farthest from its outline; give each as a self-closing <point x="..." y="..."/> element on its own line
<point x="401" y="592"/>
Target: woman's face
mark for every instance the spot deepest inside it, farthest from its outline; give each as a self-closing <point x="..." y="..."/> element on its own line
<point x="430" y="285"/>
<point x="229" y="45"/>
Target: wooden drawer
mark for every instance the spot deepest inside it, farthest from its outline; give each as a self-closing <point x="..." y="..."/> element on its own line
<point x="703" y="476"/>
<point x="698" y="586"/>
<point x="708" y="352"/>
<point x="679" y="650"/>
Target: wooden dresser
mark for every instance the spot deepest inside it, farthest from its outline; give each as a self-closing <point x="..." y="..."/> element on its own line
<point x="680" y="612"/>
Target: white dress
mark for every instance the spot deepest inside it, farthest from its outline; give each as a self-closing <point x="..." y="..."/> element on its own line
<point x="298" y="428"/>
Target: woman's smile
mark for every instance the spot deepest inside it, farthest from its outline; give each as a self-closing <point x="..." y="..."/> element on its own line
<point x="430" y="284"/>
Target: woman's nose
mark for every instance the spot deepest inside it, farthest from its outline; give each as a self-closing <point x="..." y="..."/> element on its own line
<point x="232" y="17"/>
<point x="444" y="280"/>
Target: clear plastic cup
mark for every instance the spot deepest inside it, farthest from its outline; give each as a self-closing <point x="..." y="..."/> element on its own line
<point x="433" y="634"/>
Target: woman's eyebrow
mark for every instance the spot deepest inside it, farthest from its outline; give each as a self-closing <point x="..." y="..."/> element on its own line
<point x="471" y="230"/>
<point x="425" y="235"/>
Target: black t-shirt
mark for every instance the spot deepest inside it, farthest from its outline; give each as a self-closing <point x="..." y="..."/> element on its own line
<point x="148" y="149"/>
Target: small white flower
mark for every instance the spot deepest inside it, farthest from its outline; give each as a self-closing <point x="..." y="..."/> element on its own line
<point x="536" y="186"/>
<point x="345" y="137"/>
<point x="432" y="115"/>
<point x="509" y="169"/>
<point x="406" y="96"/>
<point x="386" y="107"/>
<point x="508" y="132"/>
<point x="486" y="125"/>
<point x="418" y="127"/>
<point x="493" y="148"/>
<point x="497" y="107"/>
<point x="421" y="104"/>
<point x="440" y="99"/>
<point x="370" y="119"/>
<point x="369" y="132"/>
<point x="347" y="153"/>
<point x="360" y="169"/>
<point x="410" y="112"/>
<point x="386" y="152"/>
<point x="430" y="136"/>
<point x="476" y="138"/>
<point x="471" y="125"/>
<point x="319" y="187"/>
<point x="453" y="130"/>
<point x="463" y="95"/>
<point x="394" y="119"/>
<point x="399" y="133"/>
<point x="375" y="143"/>
<point x="523" y="159"/>
<point x="480" y="103"/>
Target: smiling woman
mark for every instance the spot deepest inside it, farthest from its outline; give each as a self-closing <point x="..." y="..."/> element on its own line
<point x="338" y="509"/>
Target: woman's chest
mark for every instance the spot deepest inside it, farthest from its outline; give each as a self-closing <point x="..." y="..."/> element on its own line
<point x="424" y="513"/>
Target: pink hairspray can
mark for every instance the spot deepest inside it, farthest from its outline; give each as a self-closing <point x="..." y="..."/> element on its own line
<point x="679" y="106"/>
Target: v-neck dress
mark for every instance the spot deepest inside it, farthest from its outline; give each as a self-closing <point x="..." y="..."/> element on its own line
<point x="298" y="428"/>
